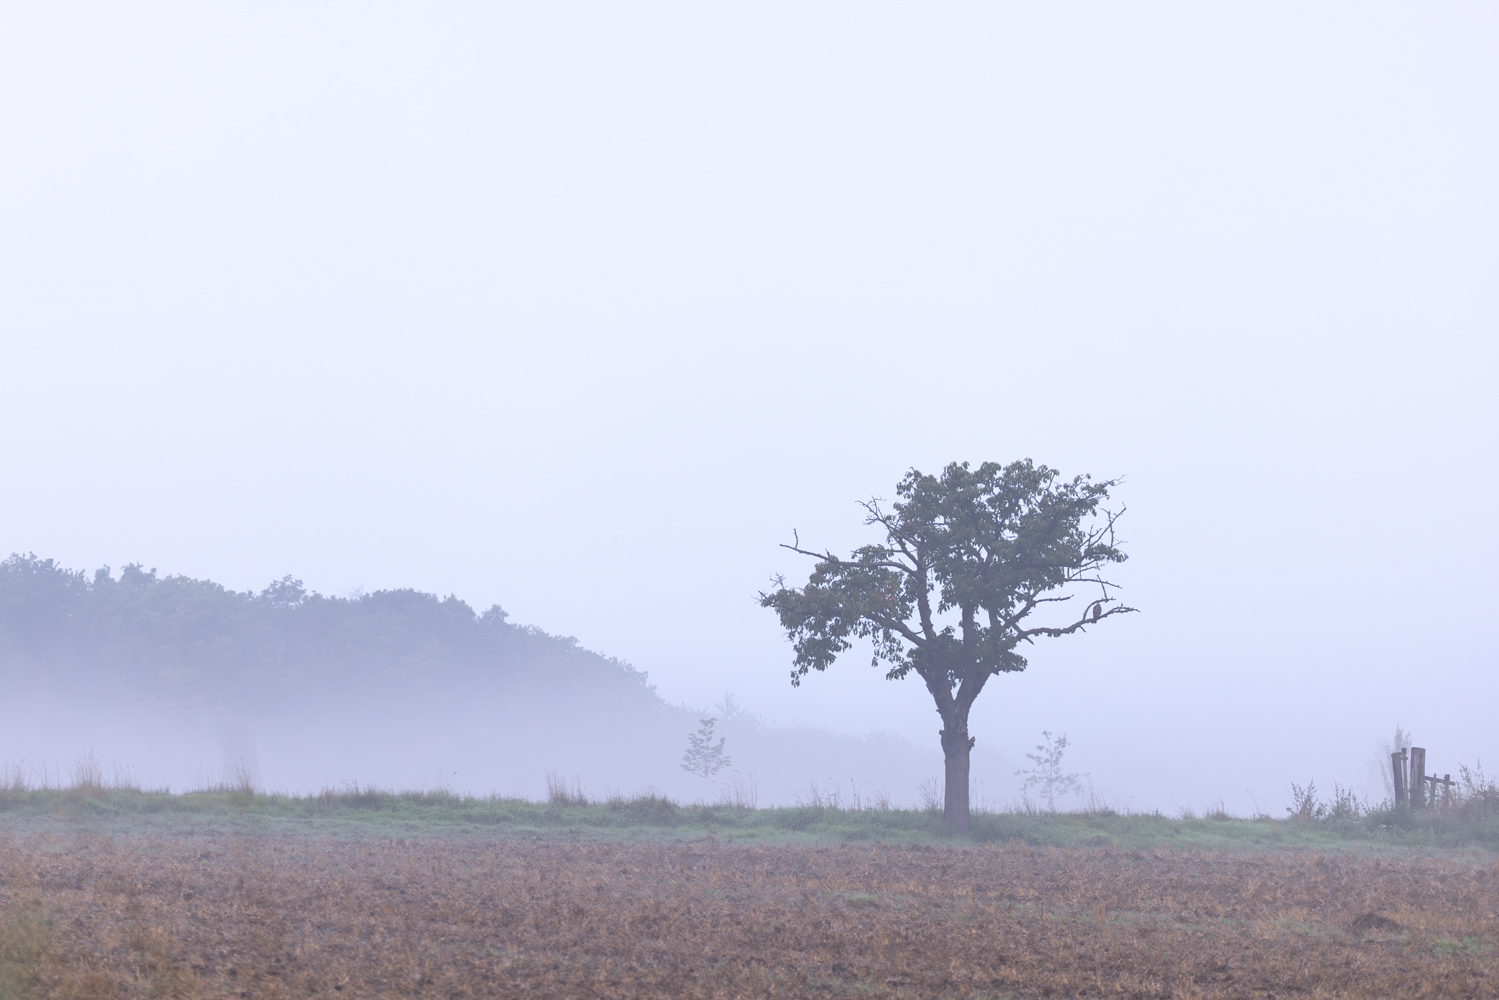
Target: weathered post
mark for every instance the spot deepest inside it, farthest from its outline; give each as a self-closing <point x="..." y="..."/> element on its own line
<point x="1397" y="772"/>
<point x="1418" y="778"/>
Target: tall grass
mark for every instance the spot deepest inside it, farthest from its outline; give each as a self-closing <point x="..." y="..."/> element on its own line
<point x="87" y="775"/>
<point x="1467" y="813"/>
<point x="827" y="812"/>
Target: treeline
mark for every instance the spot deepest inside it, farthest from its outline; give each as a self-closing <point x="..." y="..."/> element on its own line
<point x="179" y="639"/>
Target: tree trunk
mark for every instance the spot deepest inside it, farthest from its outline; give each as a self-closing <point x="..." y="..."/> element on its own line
<point x="957" y="745"/>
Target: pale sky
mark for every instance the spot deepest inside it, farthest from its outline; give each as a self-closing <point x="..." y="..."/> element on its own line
<point x="582" y="309"/>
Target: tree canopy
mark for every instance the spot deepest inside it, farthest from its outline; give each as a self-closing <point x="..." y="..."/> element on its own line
<point x="968" y="556"/>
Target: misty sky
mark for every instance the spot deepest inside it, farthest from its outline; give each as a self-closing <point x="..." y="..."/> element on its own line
<point x="582" y="309"/>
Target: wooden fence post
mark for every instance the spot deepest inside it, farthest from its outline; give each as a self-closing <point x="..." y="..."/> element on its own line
<point x="1397" y="771"/>
<point x="1418" y="778"/>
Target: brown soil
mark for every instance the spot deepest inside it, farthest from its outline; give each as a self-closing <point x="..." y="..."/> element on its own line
<point x="263" y="917"/>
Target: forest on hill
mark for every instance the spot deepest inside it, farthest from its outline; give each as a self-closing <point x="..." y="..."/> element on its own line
<point x="182" y="640"/>
<point x="175" y="678"/>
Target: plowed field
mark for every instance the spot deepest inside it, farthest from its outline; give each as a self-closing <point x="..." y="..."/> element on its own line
<point x="247" y="916"/>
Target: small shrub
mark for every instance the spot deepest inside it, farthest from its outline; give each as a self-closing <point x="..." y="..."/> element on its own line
<point x="647" y="810"/>
<point x="368" y="798"/>
<point x="1304" y="806"/>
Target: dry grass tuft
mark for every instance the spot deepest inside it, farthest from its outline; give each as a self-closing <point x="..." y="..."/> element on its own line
<point x="560" y="793"/>
<point x="88" y="778"/>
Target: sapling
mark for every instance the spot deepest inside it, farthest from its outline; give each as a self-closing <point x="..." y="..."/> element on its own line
<point x="703" y="757"/>
<point x="1047" y="775"/>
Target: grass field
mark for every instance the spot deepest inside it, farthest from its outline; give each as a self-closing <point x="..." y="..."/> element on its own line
<point x="114" y="893"/>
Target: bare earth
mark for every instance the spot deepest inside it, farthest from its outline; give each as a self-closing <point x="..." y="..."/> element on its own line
<point x="88" y="915"/>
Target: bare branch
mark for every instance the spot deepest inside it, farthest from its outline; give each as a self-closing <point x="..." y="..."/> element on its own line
<point x="1081" y="623"/>
<point x="857" y="564"/>
<point x="826" y="556"/>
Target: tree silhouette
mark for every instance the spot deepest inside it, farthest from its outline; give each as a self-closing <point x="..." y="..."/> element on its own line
<point x="967" y="558"/>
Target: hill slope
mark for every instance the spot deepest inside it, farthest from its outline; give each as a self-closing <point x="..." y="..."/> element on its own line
<point x="180" y="679"/>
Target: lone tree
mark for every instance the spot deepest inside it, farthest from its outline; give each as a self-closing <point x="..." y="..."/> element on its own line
<point x="968" y="557"/>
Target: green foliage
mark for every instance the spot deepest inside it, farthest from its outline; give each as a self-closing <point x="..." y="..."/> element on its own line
<point x="988" y="545"/>
<point x="194" y="641"/>
<point x="703" y="757"/>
